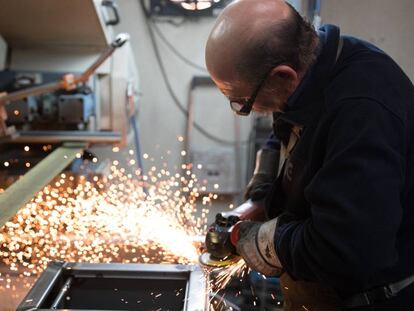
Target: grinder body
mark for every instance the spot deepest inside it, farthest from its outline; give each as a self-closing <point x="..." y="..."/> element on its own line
<point x="222" y="235"/>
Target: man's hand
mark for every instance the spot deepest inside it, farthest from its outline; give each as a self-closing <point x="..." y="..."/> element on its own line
<point x="218" y="242"/>
<point x="267" y="162"/>
<point x="256" y="245"/>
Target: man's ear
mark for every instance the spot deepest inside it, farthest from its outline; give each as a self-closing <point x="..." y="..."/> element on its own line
<point x="286" y="77"/>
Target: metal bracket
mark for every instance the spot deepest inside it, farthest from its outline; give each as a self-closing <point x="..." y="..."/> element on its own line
<point x="23" y="190"/>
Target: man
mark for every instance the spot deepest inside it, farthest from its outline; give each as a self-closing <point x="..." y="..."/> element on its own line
<point x="341" y="211"/>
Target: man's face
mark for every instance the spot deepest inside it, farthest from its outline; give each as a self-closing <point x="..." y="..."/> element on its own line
<point x="269" y="98"/>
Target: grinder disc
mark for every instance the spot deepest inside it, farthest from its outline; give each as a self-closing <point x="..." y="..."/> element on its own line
<point x="207" y="260"/>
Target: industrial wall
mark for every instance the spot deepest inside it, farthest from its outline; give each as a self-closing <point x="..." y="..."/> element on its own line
<point x="387" y="24"/>
<point x="160" y="120"/>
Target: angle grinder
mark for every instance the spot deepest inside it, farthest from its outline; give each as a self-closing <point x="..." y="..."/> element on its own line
<point x="223" y="234"/>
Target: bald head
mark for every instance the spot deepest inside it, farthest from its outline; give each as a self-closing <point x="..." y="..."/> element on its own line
<point x="239" y="27"/>
<point x="250" y="36"/>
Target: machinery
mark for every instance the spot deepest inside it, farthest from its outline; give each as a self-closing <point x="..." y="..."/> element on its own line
<point x="249" y="291"/>
<point x="67" y="104"/>
<point x="67" y="84"/>
<point x="45" y="43"/>
<point x="222" y="235"/>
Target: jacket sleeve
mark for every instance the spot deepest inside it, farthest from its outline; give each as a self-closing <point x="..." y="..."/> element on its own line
<point x="355" y="202"/>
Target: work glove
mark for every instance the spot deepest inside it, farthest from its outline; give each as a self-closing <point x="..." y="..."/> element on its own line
<point x="217" y="239"/>
<point x="267" y="163"/>
<point x="256" y="245"/>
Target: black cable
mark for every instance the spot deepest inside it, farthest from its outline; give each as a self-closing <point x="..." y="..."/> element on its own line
<point x="171" y="91"/>
<point x="172" y="22"/>
<point x="165" y="40"/>
<point x="174" y="50"/>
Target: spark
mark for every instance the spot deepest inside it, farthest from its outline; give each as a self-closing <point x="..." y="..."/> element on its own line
<point x="226" y="274"/>
<point x="103" y="220"/>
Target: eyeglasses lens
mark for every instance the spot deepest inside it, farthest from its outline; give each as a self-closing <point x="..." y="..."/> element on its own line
<point x="236" y="106"/>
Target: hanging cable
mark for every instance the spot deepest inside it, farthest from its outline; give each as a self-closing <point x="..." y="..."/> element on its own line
<point x="174" y="50"/>
<point x="174" y="97"/>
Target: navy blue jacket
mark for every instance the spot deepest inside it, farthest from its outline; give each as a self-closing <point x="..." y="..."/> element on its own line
<point x="347" y="197"/>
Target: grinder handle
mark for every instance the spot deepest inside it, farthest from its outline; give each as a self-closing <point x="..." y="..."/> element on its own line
<point x="235" y="233"/>
<point x="249" y="210"/>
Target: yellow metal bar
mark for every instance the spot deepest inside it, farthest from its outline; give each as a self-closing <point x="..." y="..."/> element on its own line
<point x="24" y="189"/>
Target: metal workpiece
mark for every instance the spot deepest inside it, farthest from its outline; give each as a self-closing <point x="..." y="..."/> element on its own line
<point x="43" y="286"/>
<point x="119" y="41"/>
<point x="83" y="286"/>
<point x="62" y="293"/>
<point x="24" y="189"/>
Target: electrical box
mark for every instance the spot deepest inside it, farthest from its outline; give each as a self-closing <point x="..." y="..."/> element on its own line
<point x="218" y="167"/>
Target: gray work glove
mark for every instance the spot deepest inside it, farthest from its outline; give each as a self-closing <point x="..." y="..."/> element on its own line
<point x="265" y="172"/>
<point x="256" y="246"/>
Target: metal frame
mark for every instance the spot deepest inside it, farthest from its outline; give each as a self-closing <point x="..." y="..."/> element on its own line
<point x="24" y="189"/>
<point x="196" y="298"/>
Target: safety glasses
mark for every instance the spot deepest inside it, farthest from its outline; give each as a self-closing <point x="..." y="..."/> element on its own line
<point x="243" y="106"/>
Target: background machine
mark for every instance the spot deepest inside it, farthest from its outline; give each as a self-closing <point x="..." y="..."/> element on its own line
<point x="67" y="83"/>
<point x="44" y="41"/>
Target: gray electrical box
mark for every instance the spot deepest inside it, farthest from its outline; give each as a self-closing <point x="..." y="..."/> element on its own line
<point x="218" y="167"/>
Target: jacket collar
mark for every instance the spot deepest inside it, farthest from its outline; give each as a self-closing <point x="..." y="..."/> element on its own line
<point x="305" y="103"/>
